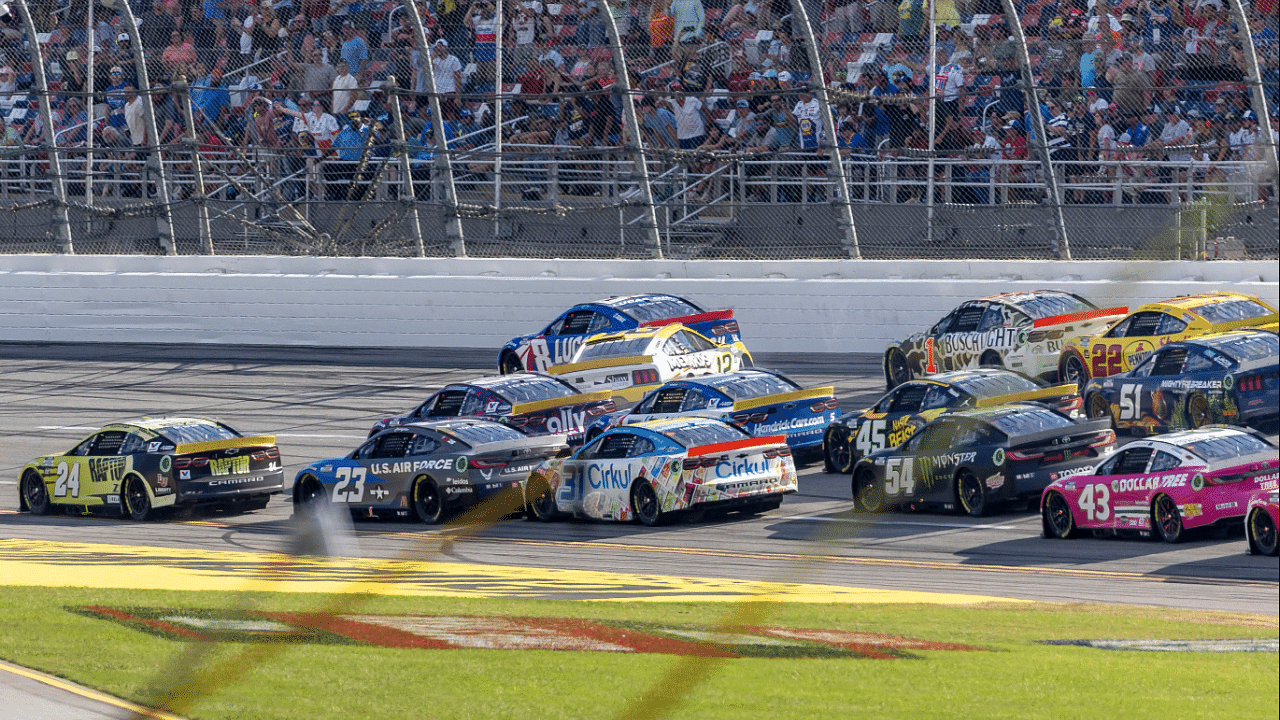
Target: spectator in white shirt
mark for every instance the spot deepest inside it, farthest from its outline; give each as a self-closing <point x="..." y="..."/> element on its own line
<point x="344" y="89"/>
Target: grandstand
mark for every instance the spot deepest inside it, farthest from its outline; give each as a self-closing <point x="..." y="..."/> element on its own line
<point x="276" y="127"/>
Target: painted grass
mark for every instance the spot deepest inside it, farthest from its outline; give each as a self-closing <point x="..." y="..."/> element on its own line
<point x="1018" y="679"/>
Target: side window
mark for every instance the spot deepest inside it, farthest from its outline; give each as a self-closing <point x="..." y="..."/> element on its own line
<point x="666" y="400"/>
<point x="933" y="438"/>
<point x="1169" y="361"/>
<point x="577" y="322"/>
<point x="84" y="447"/>
<point x="107" y="443"/>
<point x="973" y="433"/>
<point x="448" y="403"/>
<point x="944" y="325"/>
<point x="391" y="445"/>
<point x="1197" y="362"/>
<point x="1169" y="325"/>
<point x="133" y="443"/>
<point x="909" y="398"/>
<point x="599" y="324"/>
<point x="937" y="396"/>
<point x="474" y="403"/>
<point x="423" y="445"/>
<point x="1121" y="329"/>
<point x="696" y="341"/>
<point x="992" y="318"/>
<point x="1144" y="367"/>
<point x="641" y="446"/>
<point x="1164" y="461"/>
<point x="675" y="345"/>
<point x="1108" y="467"/>
<point x="886" y="403"/>
<point x="618" y="445"/>
<point x="1132" y="461"/>
<point x="694" y="400"/>
<point x="1145" y="324"/>
<point x="968" y="317"/>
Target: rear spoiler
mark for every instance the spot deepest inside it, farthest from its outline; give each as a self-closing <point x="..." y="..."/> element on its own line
<point x="1084" y="428"/>
<point x="536" y="405"/>
<point x="795" y="395"/>
<point x="1077" y="317"/>
<point x="724" y="447"/>
<point x="528" y="443"/>
<point x="691" y="319"/>
<point x="255" y="441"/>
<point x="601" y="363"/>
<point x="1054" y="391"/>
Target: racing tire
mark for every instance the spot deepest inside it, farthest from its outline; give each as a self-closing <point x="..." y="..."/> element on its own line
<point x="645" y="505"/>
<point x="1071" y="369"/>
<point x="542" y="503"/>
<point x="1059" y="522"/>
<point x="837" y="457"/>
<point x="970" y="494"/>
<point x="1198" y="414"/>
<point x="1260" y="531"/>
<point x="1097" y="406"/>
<point x="991" y="359"/>
<point x="868" y="493"/>
<point x="427" y="501"/>
<point x="35" y="495"/>
<point x="509" y="363"/>
<point x="137" y="504"/>
<point x="1166" y="521"/>
<point x="310" y="490"/>
<point x="896" y="370"/>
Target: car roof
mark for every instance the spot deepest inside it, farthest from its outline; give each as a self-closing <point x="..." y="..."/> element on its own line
<point x="718" y="381"/>
<point x="1242" y="345"/>
<point x="1190" y="303"/>
<point x="1182" y="438"/>
<point x="1040" y="303"/>
<point x="498" y="383"/>
<point x="982" y="382"/>
<point x="453" y="423"/>
<point x="665" y="425"/>
<point x="619" y="302"/>
<point x="160" y="423"/>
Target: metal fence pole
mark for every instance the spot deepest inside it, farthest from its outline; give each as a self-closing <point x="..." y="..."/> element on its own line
<point x="499" y="29"/>
<point x="1255" y="85"/>
<point x="155" y="166"/>
<point x="932" y="64"/>
<point x="453" y="228"/>
<point x="1042" y="141"/>
<point x="844" y="211"/>
<point x="61" y="221"/>
<point x="635" y="141"/>
<point x="406" y="169"/>
<point x="183" y="97"/>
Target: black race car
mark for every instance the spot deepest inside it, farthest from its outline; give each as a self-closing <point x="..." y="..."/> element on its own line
<point x="976" y="459"/>
<point x="907" y="407"/>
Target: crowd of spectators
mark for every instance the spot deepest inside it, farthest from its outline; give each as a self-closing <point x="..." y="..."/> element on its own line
<point x="303" y="80"/>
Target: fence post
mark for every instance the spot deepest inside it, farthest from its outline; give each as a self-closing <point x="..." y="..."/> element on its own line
<point x="1260" y="108"/>
<point x="183" y="97"/>
<point x="841" y="195"/>
<point x="453" y="228"/>
<point x="61" y="221"/>
<point x="407" y="192"/>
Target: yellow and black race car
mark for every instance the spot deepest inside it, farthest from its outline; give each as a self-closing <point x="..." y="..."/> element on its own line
<point x="141" y="465"/>
<point x="909" y="406"/>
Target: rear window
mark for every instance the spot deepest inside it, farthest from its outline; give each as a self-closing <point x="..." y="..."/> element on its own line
<point x="620" y="347"/>
<point x="532" y="388"/>
<point x="1047" y="305"/>
<point x="1246" y="348"/>
<point x="704" y="434"/>
<point x="1030" y="420"/>
<point x="485" y="433"/>
<point x="745" y="387"/>
<point x="1226" y="447"/>
<point x="1230" y="310"/>
<point x="986" y="386"/>
<point x="661" y="307"/>
<point x="181" y="434"/>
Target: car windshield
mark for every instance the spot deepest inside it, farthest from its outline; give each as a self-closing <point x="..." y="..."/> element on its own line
<point x="658" y="307"/>
<point x="752" y="385"/>
<point x="1231" y="310"/>
<point x="1226" y="447"/>
<point x="484" y="433"/>
<point x="1030" y="420"/>
<point x="529" y="388"/>
<point x="618" y="347"/>
<point x="704" y="434"/>
<point x="1043" y="305"/>
<point x="203" y="432"/>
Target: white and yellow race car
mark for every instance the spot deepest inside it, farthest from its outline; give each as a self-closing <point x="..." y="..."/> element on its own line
<point x="630" y="364"/>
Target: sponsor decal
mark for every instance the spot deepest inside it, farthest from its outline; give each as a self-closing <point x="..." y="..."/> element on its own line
<point x="326" y="468"/>
<point x="458" y="490"/>
<point x="1064" y="474"/>
<point x="410" y="466"/>
<point x="236" y="481"/>
<point x="107" y="469"/>
<point x="1226" y="506"/>
<point x="599" y="477"/>
<point x="229" y="466"/>
<point x="163" y="490"/>
<point x="162" y="480"/>
<point x="996" y="481"/>
<point x="166" y="463"/>
<point x="998" y="457"/>
<point x="1142" y="484"/>
<point x="1071" y="486"/>
<point x="781" y="426"/>
<point x="1192" y="510"/>
<point x="1228" y="381"/>
<point x="460" y="465"/>
<point x="153" y="446"/>
<point x="492" y="407"/>
<point x="379" y="492"/>
<point x="113" y="499"/>
<point x="1197" y="482"/>
<point x="1191" y="384"/>
<point x="692" y="361"/>
<point x="184" y="474"/>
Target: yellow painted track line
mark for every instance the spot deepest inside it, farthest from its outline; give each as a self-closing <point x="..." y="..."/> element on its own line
<point x="138" y="710"/>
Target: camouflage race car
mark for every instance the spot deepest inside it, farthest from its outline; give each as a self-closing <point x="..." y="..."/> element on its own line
<point x="142" y="465"/>
<point x="1227" y="378"/>
<point x="1127" y="343"/>
<point x="1022" y="331"/>
<point x="909" y="406"/>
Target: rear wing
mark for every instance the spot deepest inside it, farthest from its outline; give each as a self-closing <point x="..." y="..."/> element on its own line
<point x="743" y="444"/>
<point x="778" y="398"/>
<point x="601" y="363"/>
<point x="1081" y="316"/>
<point x="1049" y="392"/>
<point x="241" y="442"/>
<point x="692" y="319"/>
<point x="524" y="444"/>
<point x="536" y="405"/>
<point x="1087" y="427"/>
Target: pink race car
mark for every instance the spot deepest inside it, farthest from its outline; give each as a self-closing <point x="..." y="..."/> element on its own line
<point x="1169" y="484"/>
<point x="1260" y="520"/>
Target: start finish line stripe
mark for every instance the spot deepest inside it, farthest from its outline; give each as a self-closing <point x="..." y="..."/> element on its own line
<point x="55" y="564"/>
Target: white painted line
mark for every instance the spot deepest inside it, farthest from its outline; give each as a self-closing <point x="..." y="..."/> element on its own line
<point x="65" y="427"/>
<point x="8" y="482"/>
<point x="818" y="518"/>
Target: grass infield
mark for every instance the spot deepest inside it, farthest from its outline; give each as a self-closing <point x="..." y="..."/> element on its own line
<point x="1017" y="677"/>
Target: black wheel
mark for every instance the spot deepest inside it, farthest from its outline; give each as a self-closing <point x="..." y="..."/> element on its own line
<point x="542" y="502"/>
<point x="1058" y="520"/>
<point x="991" y="359"/>
<point x="509" y="363"/>
<point x="310" y="490"/>
<point x="427" y="501"/>
<point x="896" y="371"/>
<point x="1197" y="411"/>
<point x="137" y="504"/>
<point x="35" y="494"/>
<point x="1166" y="520"/>
<point x="970" y="493"/>
<point x="1261" y="531"/>
<point x="645" y="505"/>
<point x="1097" y="406"/>
<point x="1073" y="370"/>
<point x="837" y="456"/>
<point x="868" y="493"/>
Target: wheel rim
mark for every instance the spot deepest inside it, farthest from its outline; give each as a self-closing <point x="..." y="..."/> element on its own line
<point x="870" y="492"/>
<point x="898" y="372"/>
<point x="1262" y="532"/>
<point x="1198" y="411"/>
<point x="544" y="502"/>
<point x="428" y="501"/>
<point x="1168" y="522"/>
<point x="646" y="503"/>
<point x="312" y="491"/>
<point x="136" y="498"/>
<point x="1098" y="407"/>
<point x="971" y="497"/>
<point x="35" y="492"/>
<point x="1073" y="370"/>
<point x="838" y="453"/>
<point x="1057" y="512"/>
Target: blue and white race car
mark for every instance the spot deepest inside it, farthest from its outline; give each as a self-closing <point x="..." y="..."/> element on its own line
<point x="762" y="402"/>
<point x="654" y="470"/>
<point x="558" y="342"/>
